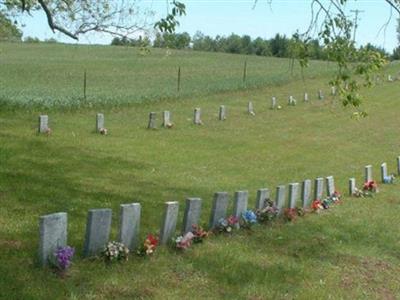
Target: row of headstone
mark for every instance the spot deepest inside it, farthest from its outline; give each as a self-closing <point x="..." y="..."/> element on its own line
<point x="53" y="227"/>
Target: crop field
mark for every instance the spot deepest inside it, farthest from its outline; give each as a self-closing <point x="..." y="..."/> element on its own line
<point x="348" y="252"/>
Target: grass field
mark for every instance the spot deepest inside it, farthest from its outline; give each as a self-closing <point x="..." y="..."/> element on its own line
<point x="350" y="252"/>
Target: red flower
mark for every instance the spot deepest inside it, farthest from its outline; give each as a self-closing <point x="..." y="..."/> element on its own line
<point x="152" y="240"/>
<point x="316" y="205"/>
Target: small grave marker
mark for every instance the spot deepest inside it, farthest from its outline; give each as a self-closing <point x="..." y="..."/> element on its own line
<point x="280" y="198"/>
<point x="273" y="103"/>
<point x="240" y="204"/>
<point x="129" y="224"/>
<point x="293" y="194"/>
<point x="250" y="108"/>
<point x="262" y="196"/>
<point x="320" y="95"/>
<point x="333" y="90"/>
<point x="168" y="224"/>
<point x="368" y="173"/>
<point x="99" y="122"/>
<point x="318" y="188"/>
<point x="219" y="208"/>
<point x="53" y="234"/>
<point x="352" y="186"/>
<point x="398" y="165"/>
<point x="305" y="97"/>
<point x="306" y="193"/>
<point x="152" y="121"/>
<point x="197" y="117"/>
<point x="222" y="113"/>
<point x="167" y="119"/>
<point x="192" y="214"/>
<point x="384" y="172"/>
<point x="330" y="186"/>
<point x="43" y="124"/>
<point x="97" y="231"/>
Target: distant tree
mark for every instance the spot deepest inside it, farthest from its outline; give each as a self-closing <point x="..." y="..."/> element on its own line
<point x="279" y="46"/>
<point x="8" y="30"/>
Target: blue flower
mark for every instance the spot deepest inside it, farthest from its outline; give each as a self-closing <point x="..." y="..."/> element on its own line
<point x="250" y="217"/>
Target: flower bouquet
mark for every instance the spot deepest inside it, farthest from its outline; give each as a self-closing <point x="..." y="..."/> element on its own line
<point x="268" y="213"/>
<point x="290" y="214"/>
<point x="115" y="251"/>
<point x="199" y="234"/>
<point x="249" y="218"/>
<point x="62" y="259"/>
<point x="371" y="186"/>
<point x="317" y="206"/>
<point x="184" y="242"/>
<point x="389" y="179"/>
<point x="358" y="193"/>
<point x="149" y="246"/>
<point x="227" y="225"/>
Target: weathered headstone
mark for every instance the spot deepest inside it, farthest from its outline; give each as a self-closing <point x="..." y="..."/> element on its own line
<point x="166" y="119"/>
<point x="262" y="196"/>
<point x="152" y="121"/>
<point x="352" y="186"/>
<point x="222" y="113"/>
<point x="280" y="198"/>
<point x="306" y="193"/>
<point x="197" y="117"/>
<point x="330" y="186"/>
<point x="129" y="224"/>
<point x="43" y="123"/>
<point x="53" y="234"/>
<point x="99" y="122"/>
<point x="305" y="97"/>
<point x="273" y="103"/>
<point x="240" y="203"/>
<point x="318" y="188"/>
<point x="390" y="79"/>
<point x="398" y="165"/>
<point x="368" y="173"/>
<point x="250" y="108"/>
<point x="292" y="101"/>
<point x="97" y="231"/>
<point x="293" y="194"/>
<point x="219" y="207"/>
<point x="320" y="95"/>
<point x="384" y="171"/>
<point x="333" y="90"/>
<point x="192" y="214"/>
<point x="168" y="224"/>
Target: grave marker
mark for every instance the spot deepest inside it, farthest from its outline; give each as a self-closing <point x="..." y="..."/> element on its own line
<point x="43" y="124"/>
<point x="222" y="113"/>
<point x="333" y="90"/>
<point x="197" y="117"/>
<point x="53" y="234"/>
<point x="320" y="95"/>
<point x="330" y="186"/>
<point x="262" y="196"/>
<point x="168" y="224"/>
<point x="99" y="122"/>
<point x="384" y="172"/>
<point x="129" y="224"/>
<point x="306" y="193"/>
<point x="318" y="188"/>
<point x="273" y="103"/>
<point x="368" y="173"/>
<point x="398" y="165"/>
<point x="305" y="97"/>
<point x="280" y="198"/>
<point x="250" y="108"/>
<point x="167" y="119"/>
<point x="152" y="120"/>
<point x="352" y="186"/>
<point x="293" y="194"/>
<point x="192" y="214"/>
<point x="97" y="231"/>
<point x="240" y="204"/>
<point x="219" y="207"/>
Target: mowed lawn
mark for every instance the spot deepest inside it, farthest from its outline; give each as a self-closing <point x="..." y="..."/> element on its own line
<point x="349" y="251"/>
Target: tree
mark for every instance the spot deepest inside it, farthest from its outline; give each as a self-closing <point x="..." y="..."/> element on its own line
<point x="75" y="18"/>
<point x="8" y="30"/>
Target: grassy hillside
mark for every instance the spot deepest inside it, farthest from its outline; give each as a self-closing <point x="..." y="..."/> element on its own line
<point x="349" y="252"/>
<point x="52" y="74"/>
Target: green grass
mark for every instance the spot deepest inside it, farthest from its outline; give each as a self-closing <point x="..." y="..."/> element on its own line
<point x="350" y="252"/>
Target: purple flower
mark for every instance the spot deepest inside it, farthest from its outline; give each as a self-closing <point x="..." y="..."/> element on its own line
<point x="64" y="256"/>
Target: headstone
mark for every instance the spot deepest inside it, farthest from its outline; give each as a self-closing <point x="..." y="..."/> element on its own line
<point x="166" y="119"/>
<point x="97" y="231"/>
<point x="368" y="173"/>
<point x="398" y="165"/>
<point x="152" y="121"/>
<point x="330" y="186"/>
<point x="129" y="224"/>
<point x="219" y="207"/>
<point x="222" y="113"/>
<point x="318" y="188"/>
<point x="273" y="103"/>
<point x="333" y="90"/>
<point x="320" y="95"/>
<point x="53" y="234"/>
<point x="306" y="193"/>
<point x="292" y="101"/>
<point x="280" y="198"/>
<point x="197" y="117"/>
<point x="305" y="97"/>
<point x="192" y="214"/>
<point x="293" y="194"/>
<point x="262" y="195"/>
<point x="43" y="123"/>
<point x="250" y="108"/>
<point x="384" y="172"/>
<point x="390" y="79"/>
<point x="352" y="186"/>
<point x="168" y="225"/>
<point x="99" y="122"/>
<point x="240" y="203"/>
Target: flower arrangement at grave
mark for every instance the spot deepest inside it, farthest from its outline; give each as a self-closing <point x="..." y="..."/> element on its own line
<point x="290" y="214"/>
<point x="248" y="219"/>
<point x="227" y="225"/>
<point x="317" y="206"/>
<point x="103" y="131"/>
<point x="371" y="186"/>
<point x="48" y="131"/>
<point x="115" y="251"/>
<point x="268" y="213"/>
<point x="62" y="258"/>
<point x="389" y="179"/>
<point x="183" y="242"/>
<point x="199" y="234"/>
<point x="149" y="246"/>
<point x="360" y="193"/>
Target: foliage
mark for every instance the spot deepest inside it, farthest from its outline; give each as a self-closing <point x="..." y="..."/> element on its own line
<point x="115" y="251"/>
<point x="8" y="30"/>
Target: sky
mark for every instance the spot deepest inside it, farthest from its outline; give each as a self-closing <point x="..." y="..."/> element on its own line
<point x="223" y="17"/>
